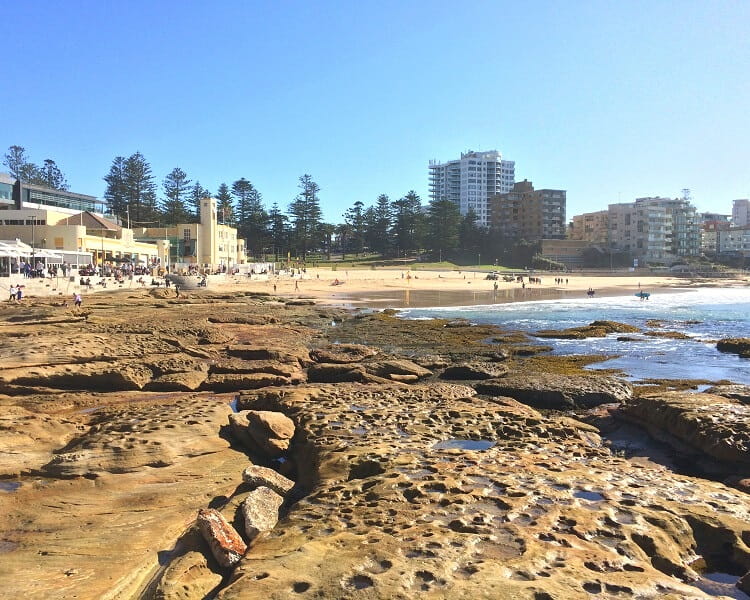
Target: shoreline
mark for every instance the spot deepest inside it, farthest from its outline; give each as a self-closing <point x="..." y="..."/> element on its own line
<point x="395" y="288"/>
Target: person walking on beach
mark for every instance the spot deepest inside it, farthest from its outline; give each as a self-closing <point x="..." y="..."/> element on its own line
<point x="176" y="289"/>
<point x="77" y="300"/>
<point x="296" y="285"/>
<point x="12" y="294"/>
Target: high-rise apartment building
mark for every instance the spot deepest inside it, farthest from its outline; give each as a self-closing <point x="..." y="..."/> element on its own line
<point x="741" y="213"/>
<point x="655" y="229"/>
<point x="471" y="180"/>
<point x="529" y="214"/>
<point x="591" y="227"/>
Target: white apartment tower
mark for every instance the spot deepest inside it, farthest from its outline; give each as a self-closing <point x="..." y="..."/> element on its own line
<point x="471" y="180"/>
<point x="741" y="213"/>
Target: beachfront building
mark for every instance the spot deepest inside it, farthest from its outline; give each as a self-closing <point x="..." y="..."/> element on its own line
<point x="528" y="214"/>
<point x="591" y="227"/>
<point x="734" y="241"/>
<point x="741" y="213"/>
<point x="80" y="238"/>
<point x="208" y="244"/>
<point x="655" y="229"/>
<point x="14" y="194"/>
<point x="471" y="181"/>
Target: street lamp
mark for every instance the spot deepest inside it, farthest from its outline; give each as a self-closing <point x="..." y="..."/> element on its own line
<point x="33" y="250"/>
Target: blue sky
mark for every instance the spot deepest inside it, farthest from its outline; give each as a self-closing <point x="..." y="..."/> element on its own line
<point x="608" y="100"/>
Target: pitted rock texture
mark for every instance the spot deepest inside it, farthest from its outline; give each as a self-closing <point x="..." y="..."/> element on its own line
<point x="558" y="392"/>
<point x="715" y="425"/>
<point x="400" y="506"/>
<point x="141" y="434"/>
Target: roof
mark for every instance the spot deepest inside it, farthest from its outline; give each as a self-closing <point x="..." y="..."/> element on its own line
<point x="91" y="221"/>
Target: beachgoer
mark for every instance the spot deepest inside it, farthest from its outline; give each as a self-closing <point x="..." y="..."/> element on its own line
<point x="176" y="289"/>
<point x="296" y="285"/>
<point x="496" y="286"/>
<point x="274" y="288"/>
<point x="12" y="293"/>
<point x="77" y="300"/>
<point x="19" y="294"/>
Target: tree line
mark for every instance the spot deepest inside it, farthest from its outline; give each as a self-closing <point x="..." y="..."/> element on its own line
<point x="48" y="174"/>
<point x="392" y="228"/>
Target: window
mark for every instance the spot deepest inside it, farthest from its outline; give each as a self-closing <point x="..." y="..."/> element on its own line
<point x="186" y="235"/>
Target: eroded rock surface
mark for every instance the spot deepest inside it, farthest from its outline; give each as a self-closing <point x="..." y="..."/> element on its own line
<point x="560" y="392"/>
<point x="715" y="425"/>
<point x="475" y="498"/>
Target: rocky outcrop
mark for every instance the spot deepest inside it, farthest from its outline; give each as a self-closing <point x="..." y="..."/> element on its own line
<point x="474" y="370"/>
<point x="123" y="440"/>
<point x="233" y="382"/>
<point x="733" y="391"/>
<point x="398" y="370"/>
<point x="341" y="373"/>
<point x="478" y="498"/>
<point x="594" y="329"/>
<point x="559" y="392"/>
<point x="225" y="543"/>
<point x="342" y="353"/>
<point x="28" y="439"/>
<point x="260" y="511"/>
<point x="739" y="346"/>
<point x="714" y="425"/>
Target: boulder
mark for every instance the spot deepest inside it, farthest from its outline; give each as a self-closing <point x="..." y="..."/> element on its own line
<point x="396" y="369"/>
<point x="715" y="425"/>
<point x="225" y="543"/>
<point x="474" y="370"/>
<point x="271" y="431"/>
<point x="559" y="392"/>
<point x="238" y="431"/>
<point x="739" y="346"/>
<point x="264" y="477"/>
<point x="342" y="353"/>
<point x="260" y="511"/>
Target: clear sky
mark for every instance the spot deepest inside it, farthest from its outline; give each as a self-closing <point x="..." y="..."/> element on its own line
<point x="608" y="100"/>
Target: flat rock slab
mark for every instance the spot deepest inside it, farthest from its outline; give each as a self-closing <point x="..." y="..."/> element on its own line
<point x="474" y="370"/>
<point x="714" y="425"/>
<point x="559" y="392"/>
<point x="143" y="433"/>
<point x="733" y="391"/>
<point x="92" y="539"/>
<point x="342" y="353"/>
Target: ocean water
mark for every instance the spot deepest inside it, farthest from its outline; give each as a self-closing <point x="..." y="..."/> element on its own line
<point x="705" y="315"/>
